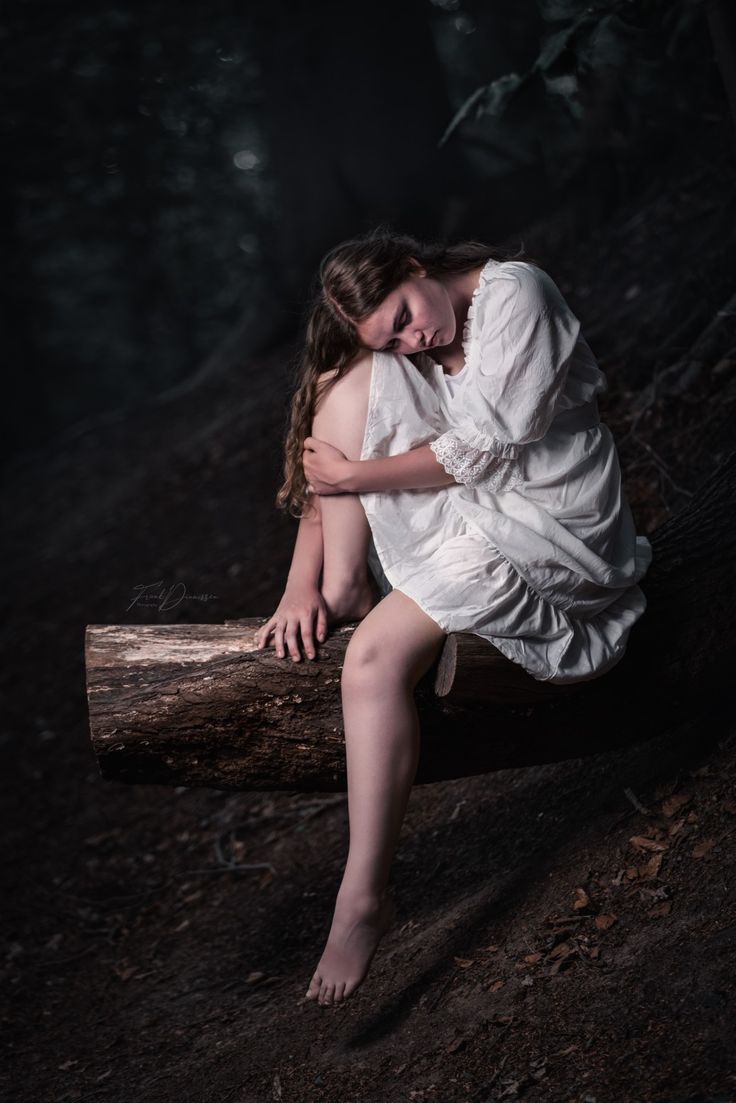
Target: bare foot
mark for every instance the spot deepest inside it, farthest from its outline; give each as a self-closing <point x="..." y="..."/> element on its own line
<point x="351" y="603"/>
<point x="356" y="930"/>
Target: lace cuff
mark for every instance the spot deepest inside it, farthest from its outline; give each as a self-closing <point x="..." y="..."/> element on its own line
<point x="475" y="466"/>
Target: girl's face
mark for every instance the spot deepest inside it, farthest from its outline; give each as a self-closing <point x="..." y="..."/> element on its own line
<point x="416" y="316"/>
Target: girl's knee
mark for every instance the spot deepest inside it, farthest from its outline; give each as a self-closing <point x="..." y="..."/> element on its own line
<point x="343" y="409"/>
<point x="363" y="657"/>
<point x="376" y="660"/>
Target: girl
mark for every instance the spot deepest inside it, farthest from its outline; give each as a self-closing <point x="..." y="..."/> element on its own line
<point x="445" y="436"/>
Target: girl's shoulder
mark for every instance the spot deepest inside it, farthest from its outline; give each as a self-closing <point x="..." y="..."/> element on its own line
<point x="361" y="363"/>
<point x="522" y="279"/>
<point x="513" y="290"/>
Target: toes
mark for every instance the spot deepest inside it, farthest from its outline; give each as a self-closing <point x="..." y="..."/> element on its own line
<point x="328" y="995"/>
<point x="325" y="993"/>
<point x="314" y="987"/>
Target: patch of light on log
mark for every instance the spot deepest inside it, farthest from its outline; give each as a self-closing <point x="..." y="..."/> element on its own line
<point x="143" y="644"/>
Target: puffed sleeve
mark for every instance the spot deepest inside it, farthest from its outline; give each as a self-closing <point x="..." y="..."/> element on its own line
<point x="521" y="338"/>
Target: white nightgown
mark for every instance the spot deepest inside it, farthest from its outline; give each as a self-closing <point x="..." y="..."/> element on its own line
<point x="535" y="548"/>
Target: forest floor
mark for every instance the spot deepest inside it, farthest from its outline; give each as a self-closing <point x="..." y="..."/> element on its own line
<point x="565" y="932"/>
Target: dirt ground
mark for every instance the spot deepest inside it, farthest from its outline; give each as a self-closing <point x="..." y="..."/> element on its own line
<point x="566" y="932"/>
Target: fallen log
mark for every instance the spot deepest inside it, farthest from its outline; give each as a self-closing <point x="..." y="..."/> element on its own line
<point x="200" y="705"/>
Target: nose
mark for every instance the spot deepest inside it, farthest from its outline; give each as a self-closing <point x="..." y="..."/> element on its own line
<point x="420" y="339"/>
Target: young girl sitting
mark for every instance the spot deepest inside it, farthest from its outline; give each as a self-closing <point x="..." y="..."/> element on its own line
<point x="447" y="461"/>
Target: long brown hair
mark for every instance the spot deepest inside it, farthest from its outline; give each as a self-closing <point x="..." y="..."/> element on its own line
<point x="352" y="281"/>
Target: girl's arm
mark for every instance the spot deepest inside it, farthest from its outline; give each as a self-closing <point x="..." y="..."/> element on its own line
<point x="329" y="471"/>
<point x="306" y="562"/>
<point x="414" y="470"/>
<point x="302" y="611"/>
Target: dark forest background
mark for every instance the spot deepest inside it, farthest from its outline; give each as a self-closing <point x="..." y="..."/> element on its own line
<point x="172" y="174"/>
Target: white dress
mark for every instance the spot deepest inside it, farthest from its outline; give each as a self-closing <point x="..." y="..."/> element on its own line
<point x="535" y="548"/>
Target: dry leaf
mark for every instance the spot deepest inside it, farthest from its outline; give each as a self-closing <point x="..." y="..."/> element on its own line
<point x="582" y="900"/>
<point x="675" y="803"/>
<point x="496" y="985"/>
<point x="651" y="868"/>
<point x="532" y="959"/>
<point x="642" y="842"/>
<point x="702" y="848"/>
<point x="563" y="959"/>
<point x="562" y="949"/>
<point x="464" y="962"/>
<point x="660" y="910"/>
<point x="603" y="922"/>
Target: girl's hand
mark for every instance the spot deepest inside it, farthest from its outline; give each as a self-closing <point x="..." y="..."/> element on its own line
<point x="301" y="606"/>
<point x="326" y="468"/>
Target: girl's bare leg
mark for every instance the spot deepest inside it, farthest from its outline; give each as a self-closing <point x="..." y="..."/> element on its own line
<point x="348" y="586"/>
<point x="388" y="653"/>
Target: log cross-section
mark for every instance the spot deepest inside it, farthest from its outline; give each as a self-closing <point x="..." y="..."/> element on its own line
<point x="201" y="705"/>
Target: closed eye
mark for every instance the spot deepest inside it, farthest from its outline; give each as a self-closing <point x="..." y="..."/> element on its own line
<point x="403" y="321"/>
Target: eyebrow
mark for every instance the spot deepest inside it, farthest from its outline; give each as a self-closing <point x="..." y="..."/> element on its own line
<point x="399" y="312"/>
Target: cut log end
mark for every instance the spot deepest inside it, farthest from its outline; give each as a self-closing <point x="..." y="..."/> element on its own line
<point x="471" y="670"/>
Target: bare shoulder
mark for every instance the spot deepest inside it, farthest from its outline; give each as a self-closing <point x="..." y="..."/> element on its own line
<point x="351" y="390"/>
<point x="357" y="373"/>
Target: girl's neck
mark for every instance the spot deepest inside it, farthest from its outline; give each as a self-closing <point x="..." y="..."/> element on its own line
<point x="460" y="287"/>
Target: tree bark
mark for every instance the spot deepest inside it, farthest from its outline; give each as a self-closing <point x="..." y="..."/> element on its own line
<point x="199" y="705"/>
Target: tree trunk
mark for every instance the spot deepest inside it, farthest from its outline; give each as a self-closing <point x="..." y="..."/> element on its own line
<point x="200" y="705"/>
